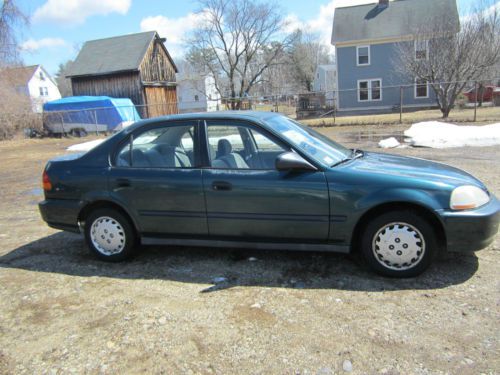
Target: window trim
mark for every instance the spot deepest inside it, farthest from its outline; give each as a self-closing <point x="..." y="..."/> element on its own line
<point x="369" y="55"/>
<point x="426" y="49"/>
<point x="415" y="89"/>
<point x="369" y="80"/>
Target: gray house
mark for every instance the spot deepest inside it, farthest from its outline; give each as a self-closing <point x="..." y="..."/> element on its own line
<point x="325" y="80"/>
<point x="365" y="37"/>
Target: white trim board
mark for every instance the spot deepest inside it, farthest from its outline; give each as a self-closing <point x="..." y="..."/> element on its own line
<point x="369" y="80"/>
<point x="415" y="90"/>
<point x="369" y="56"/>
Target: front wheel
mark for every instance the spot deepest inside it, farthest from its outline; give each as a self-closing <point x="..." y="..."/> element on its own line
<point x="110" y="235"/>
<point x="399" y="244"/>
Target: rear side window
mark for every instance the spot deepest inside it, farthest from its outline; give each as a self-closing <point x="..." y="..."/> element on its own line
<point x="161" y="147"/>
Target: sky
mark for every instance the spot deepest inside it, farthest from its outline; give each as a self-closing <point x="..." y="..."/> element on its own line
<point x="59" y="28"/>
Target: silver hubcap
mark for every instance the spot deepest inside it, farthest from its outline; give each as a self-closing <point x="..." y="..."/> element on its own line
<point x="398" y="246"/>
<point x="107" y="235"/>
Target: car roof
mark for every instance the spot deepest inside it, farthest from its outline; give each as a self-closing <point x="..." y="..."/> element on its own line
<point x="231" y="115"/>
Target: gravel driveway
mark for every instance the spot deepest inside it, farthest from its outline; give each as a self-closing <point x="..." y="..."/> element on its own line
<point x="195" y="310"/>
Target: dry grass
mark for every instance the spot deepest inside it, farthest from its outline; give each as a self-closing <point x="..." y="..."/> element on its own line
<point x="484" y="115"/>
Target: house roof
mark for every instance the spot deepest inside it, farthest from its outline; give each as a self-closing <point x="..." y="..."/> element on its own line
<point x="401" y="18"/>
<point x="19" y="75"/>
<point x="113" y="55"/>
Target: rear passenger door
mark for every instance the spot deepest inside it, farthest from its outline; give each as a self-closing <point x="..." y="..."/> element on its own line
<point x="156" y="174"/>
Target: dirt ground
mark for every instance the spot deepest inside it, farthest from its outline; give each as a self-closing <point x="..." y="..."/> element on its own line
<point x="167" y="311"/>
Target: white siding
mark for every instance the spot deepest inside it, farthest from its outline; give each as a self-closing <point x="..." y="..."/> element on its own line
<point x="197" y="94"/>
<point x="42" y="89"/>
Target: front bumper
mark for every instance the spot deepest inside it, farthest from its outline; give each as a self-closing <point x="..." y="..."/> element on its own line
<point x="61" y="214"/>
<point x="473" y="229"/>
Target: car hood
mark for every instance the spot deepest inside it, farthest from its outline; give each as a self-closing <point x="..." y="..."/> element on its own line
<point x="418" y="170"/>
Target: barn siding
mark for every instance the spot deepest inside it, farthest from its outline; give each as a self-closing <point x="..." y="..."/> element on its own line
<point x="117" y="86"/>
<point x="156" y="66"/>
<point x="161" y="100"/>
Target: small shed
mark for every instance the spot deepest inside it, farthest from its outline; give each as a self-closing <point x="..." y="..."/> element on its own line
<point x="136" y="66"/>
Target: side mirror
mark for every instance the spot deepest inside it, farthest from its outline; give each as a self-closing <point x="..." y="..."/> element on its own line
<point x="291" y="161"/>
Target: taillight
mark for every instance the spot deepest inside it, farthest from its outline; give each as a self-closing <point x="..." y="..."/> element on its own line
<point x="47" y="185"/>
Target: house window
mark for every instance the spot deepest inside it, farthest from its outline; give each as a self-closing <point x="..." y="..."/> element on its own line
<point x="42" y="77"/>
<point x="421" y="49"/>
<point x="43" y="91"/>
<point x="196" y="98"/>
<point x="421" y="88"/>
<point x="369" y="90"/>
<point x="362" y="55"/>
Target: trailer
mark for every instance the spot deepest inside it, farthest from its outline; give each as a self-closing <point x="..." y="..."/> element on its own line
<point x="84" y="114"/>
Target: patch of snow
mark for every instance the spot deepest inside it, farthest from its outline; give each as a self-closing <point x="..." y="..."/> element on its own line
<point x="444" y="135"/>
<point x="389" y="143"/>
<point x="86" y="146"/>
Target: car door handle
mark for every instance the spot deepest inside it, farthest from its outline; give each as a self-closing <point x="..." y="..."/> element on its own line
<point x="122" y="182"/>
<point x="221" y="185"/>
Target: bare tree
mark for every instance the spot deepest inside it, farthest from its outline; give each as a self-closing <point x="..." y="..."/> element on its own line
<point x="11" y="20"/>
<point x="453" y="57"/>
<point x="63" y="83"/>
<point x="15" y="107"/>
<point x="306" y="54"/>
<point x="279" y="79"/>
<point x="237" y="41"/>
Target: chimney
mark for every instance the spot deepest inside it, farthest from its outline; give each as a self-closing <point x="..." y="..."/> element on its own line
<point x="383" y="3"/>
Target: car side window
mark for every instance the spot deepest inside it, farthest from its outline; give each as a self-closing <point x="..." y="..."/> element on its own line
<point x="263" y="143"/>
<point x="241" y="147"/>
<point x="161" y="147"/>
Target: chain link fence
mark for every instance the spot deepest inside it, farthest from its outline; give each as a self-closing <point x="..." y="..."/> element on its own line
<point x="370" y="103"/>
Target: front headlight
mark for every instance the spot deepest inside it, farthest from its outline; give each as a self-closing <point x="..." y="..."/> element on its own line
<point x="467" y="197"/>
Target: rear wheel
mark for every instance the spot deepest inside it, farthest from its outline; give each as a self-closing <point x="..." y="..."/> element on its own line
<point x="110" y="235"/>
<point x="399" y="244"/>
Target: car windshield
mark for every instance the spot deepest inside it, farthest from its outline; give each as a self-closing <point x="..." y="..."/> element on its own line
<point x="314" y="144"/>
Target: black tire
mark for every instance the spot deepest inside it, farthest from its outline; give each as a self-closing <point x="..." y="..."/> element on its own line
<point x="119" y="241"/>
<point x="383" y="239"/>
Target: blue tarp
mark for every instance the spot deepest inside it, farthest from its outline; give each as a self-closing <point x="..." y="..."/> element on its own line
<point x="92" y="111"/>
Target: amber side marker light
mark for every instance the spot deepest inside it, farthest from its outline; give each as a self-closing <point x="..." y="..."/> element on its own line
<point x="464" y="206"/>
<point x="47" y="185"/>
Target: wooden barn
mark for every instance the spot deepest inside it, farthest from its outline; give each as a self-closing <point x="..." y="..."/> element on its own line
<point x="135" y="66"/>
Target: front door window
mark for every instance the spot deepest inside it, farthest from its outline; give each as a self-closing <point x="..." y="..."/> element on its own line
<point x="241" y="147"/>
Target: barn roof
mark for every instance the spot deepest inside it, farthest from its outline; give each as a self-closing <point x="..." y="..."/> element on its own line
<point x="113" y="55"/>
<point x="401" y="18"/>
